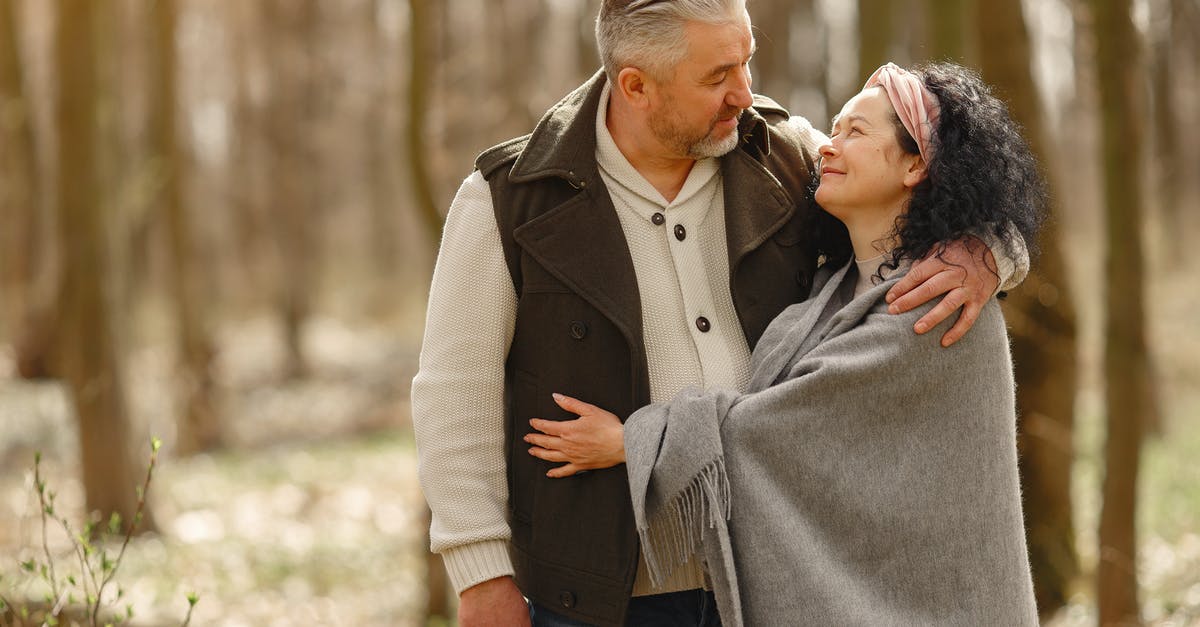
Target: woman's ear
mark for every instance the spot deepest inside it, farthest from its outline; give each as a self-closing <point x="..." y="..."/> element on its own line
<point x="916" y="172"/>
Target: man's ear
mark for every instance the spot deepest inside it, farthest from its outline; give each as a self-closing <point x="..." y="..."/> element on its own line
<point x="635" y="86"/>
<point x="916" y="172"/>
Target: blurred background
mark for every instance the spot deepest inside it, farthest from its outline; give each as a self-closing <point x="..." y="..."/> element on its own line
<point x="218" y="220"/>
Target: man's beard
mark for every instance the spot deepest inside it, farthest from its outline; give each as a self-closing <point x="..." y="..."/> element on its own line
<point x="667" y="128"/>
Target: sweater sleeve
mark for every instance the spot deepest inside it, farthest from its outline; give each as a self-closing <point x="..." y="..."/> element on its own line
<point x="812" y="139"/>
<point x="458" y="393"/>
<point x="1013" y="270"/>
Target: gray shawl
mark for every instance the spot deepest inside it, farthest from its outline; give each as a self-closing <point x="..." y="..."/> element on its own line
<point x="867" y="477"/>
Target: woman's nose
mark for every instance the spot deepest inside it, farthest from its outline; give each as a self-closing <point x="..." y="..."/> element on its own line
<point x="826" y="150"/>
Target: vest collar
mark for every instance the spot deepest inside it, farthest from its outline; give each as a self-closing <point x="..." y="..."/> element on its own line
<point x="585" y="247"/>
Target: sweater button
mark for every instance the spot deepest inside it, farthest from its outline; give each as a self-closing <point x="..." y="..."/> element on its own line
<point x="703" y="324"/>
<point x="658" y="219"/>
<point x="579" y="329"/>
<point x="566" y="598"/>
<point x="680" y="232"/>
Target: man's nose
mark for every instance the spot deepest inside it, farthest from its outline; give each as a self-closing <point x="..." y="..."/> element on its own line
<point x="741" y="96"/>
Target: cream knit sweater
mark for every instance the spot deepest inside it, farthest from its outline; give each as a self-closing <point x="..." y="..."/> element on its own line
<point x="458" y="393"/>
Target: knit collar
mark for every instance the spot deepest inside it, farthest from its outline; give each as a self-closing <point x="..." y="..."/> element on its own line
<point x="614" y="163"/>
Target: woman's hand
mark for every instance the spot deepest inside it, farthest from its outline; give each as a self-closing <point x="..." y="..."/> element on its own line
<point x="594" y="440"/>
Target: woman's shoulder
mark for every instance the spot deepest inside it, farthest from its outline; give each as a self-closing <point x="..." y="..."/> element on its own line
<point x="867" y="315"/>
<point x="986" y="342"/>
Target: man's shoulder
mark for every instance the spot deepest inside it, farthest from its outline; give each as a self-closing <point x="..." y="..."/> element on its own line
<point x="769" y="109"/>
<point x="501" y="154"/>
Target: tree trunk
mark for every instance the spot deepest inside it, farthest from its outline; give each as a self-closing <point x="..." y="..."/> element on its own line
<point x="587" y="54"/>
<point x="1125" y="358"/>
<point x="291" y="106"/>
<point x="28" y="313"/>
<point x="16" y="178"/>
<point x="380" y="193"/>
<point x="517" y="28"/>
<point x="198" y="428"/>
<point x="773" y="67"/>
<point x="87" y="350"/>
<point x="875" y="35"/>
<point x="248" y="164"/>
<point x="424" y="22"/>
<point x="1168" y="155"/>
<point x="1041" y="315"/>
<point x="420" y="81"/>
<point x="947" y="24"/>
<point x="812" y="60"/>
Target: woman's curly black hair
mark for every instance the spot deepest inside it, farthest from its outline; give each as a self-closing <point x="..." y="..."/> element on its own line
<point x="983" y="176"/>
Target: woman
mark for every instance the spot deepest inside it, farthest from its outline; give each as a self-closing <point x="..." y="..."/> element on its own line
<point x="841" y="487"/>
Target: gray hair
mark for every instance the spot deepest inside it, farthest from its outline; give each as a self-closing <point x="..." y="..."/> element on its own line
<point x="649" y="34"/>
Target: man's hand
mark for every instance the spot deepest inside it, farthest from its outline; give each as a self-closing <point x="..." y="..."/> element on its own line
<point x="594" y="440"/>
<point x="494" y="602"/>
<point x="965" y="273"/>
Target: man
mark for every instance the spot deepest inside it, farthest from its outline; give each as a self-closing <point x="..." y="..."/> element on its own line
<point x="636" y="243"/>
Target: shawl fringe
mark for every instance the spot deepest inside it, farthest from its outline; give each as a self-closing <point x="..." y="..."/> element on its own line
<point x="678" y="526"/>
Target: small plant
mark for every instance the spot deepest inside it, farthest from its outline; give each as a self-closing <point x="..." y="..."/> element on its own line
<point x="71" y="598"/>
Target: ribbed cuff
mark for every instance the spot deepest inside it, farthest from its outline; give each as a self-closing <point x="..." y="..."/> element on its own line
<point x="1012" y="271"/>
<point x="1007" y="270"/>
<point x="475" y="563"/>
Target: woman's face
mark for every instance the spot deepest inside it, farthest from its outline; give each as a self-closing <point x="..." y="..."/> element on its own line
<point x="863" y="167"/>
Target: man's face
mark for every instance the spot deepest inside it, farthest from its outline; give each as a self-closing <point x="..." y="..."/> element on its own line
<point x="697" y="112"/>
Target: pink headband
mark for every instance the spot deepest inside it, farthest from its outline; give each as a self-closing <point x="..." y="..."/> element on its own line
<point x="915" y="105"/>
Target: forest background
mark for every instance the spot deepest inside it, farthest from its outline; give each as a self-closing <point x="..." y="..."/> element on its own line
<point x="218" y="220"/>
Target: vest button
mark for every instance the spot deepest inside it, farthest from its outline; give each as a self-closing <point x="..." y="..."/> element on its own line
<point x="579" y="329"/>
<point x="703" y="324"/>
<point x="566" y="598"/>
<point x="680" y="232"/>
<point x="658" y="219"/>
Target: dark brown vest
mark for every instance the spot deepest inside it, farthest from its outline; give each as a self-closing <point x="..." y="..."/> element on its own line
<point x="579" y="325"/>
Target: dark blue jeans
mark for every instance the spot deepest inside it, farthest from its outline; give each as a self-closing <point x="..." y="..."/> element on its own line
<point x="690" y="608"/>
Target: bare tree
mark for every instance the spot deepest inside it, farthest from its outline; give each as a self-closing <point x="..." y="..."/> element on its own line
<point x="1167" y="35"/>
<point x="1041" y="315"/>
<point x="291" y="123"/>
<point x="588" y="56"/>
<point x="380" y="193"/>
<point x="516" y="29"/>
<point x="16" y="191"/>
<point x="198" y="428"/>
<point x="875" y="35"/>
<point x="422" y="23"/>
<point x="29" y="307"/>
<point x="773" y="67"/>
<point x="948" y="23"/>
<point x="1126" y="361"/>
<point x="426" y="20"/>
<point x="248" y="163"/>
<point x="86" y="350"/>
